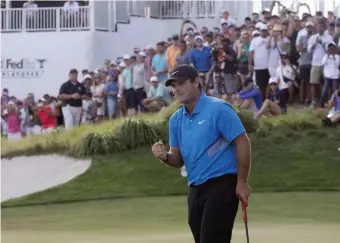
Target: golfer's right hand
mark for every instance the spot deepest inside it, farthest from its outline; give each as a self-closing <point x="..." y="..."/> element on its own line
<point x="158" y="149"/>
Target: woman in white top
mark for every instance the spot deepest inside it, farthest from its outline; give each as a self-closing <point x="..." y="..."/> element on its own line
<point x="97" y="91"/>
<point x="331" y="71"/>
<point x="286" y="74"/>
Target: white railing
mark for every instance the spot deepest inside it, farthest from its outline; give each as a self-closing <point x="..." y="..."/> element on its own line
<point x="44" y="19"/>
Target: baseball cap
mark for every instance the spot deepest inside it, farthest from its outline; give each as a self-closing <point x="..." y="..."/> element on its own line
<point x="266" y="10"/>
<point x="210" y="34"/>
<point x="154" y="79"/>
<point x="182" y="73"/>
<point x="142" y="53"/>
<point x="150" y="47"/>
<point x="329" y="44"/>
<point x="175" y="37"/>
<point x="199" y="38"/>
<point x="264" y="27"/>
<point x="87" y="76"/>
<point x="258" y="25"/>
<point x="272" y="80"/>
<point x="255" y="32"/>
<point x="126" y="57"/>
<point x="122" y="65"/>
<point x="309" y="23"/>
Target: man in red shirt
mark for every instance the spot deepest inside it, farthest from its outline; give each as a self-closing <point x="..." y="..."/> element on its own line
<point x="46" y="117"/>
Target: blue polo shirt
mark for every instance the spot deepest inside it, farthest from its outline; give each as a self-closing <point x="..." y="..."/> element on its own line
<point x="201" y="60"/>
<point x="205" y="138"/>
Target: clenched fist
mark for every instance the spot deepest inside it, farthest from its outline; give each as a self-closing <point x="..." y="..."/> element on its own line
<point x="158" y="149"/>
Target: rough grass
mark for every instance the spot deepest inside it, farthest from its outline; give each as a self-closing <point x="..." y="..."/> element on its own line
<point x="289" y="153"/>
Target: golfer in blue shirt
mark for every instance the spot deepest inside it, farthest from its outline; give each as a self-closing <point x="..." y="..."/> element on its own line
<point x="207" y="136"/>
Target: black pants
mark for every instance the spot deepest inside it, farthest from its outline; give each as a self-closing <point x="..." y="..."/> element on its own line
<point x="212" y="209"/>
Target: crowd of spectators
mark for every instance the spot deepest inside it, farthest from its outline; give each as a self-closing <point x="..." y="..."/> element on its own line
<point x="264" y="65"/>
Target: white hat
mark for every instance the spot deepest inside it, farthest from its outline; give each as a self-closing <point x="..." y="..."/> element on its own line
<point x="122" y="65"/>
<point x="5" y="112"/>
<point x="148" y="47"/>
<point x="331" y="43"/>
<point x="199" y="37"/>
<point x="154" y="79"/>
<point x="87" y="76"/>
<point x="264" y="27"/>
<point x="258" y="25"/>
<point x="142" y="53"/>
<point x="272" y="80"/>
<point x="266" y="10"/>
<point x="310" y="23"/>
<point x="223" y="21"/>
<point x="126" y="57"/>
<point x="255" y="32"/>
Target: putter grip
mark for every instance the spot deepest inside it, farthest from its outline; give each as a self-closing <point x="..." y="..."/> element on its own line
<point x="244" y="212"/>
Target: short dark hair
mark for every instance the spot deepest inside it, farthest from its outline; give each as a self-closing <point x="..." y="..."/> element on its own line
<point x="161" y="43"/>
<point x="73" y="70"/>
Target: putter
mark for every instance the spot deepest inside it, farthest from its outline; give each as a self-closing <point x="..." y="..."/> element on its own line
<point x="245" y="219"/>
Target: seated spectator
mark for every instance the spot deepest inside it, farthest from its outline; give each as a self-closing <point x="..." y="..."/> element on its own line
<point x="249" y="97"/>
<point x="46" y="116"/>
<point x="89" y="110"/>
<point x="271" y="106"/>
<point x="158" y="96"/>
<point x="333" y="116"/>
<point x="111" y="93"/>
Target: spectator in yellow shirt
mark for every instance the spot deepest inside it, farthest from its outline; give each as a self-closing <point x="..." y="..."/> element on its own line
<point x="172" y="52"/>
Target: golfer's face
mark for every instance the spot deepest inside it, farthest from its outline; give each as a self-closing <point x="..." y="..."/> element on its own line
<point x="181" y="90"/>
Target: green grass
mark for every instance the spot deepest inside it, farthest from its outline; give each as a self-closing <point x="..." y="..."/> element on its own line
<point x="272" y="218"/>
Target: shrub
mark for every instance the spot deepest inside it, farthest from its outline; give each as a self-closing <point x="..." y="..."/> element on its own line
<point x="143" y="130"/>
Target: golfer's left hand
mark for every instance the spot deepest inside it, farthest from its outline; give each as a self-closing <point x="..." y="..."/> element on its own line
<point x="243" y="192"/>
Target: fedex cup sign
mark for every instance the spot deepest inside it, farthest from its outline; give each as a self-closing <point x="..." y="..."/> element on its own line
<point x="22" y="68"/>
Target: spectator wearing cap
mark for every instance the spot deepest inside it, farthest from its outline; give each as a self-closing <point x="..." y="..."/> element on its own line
<point x="111" y="93"/>
<point x="89" y="109"/>
<point x="159" y="63"/>
<point x="172" y="52"/>
<point x="129" y="92"/>
<point x="87" y="82"/>
<point x="224" y="29"/>
<point x="259" y="56"/>
<point x="276" y="44"/>
<point x="317" y="46"/>
<point x="184" y="56"/>
<point x="207" y="135"/>
<point x="150" y="52"/>
<point x="255" y="17"/>
<point x="201" y="58"/>
<point x="266" y="15"/>
<point x="331" y="28"/>
<point x="46" y="116"/>
<point x="97" y="90"/>
<point x="71" y="93"/>
<point x="331" y="71"/>
<point x="271" y="106"/>
<point x="139" y="82"/>
<point x="158" y="96"/>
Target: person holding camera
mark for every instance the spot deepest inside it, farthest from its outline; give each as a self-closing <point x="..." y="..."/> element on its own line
<point x="317" y="46"/>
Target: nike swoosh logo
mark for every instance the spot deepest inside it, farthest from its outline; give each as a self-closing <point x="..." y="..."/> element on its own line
<point x="201" y="122"/>
<point x="174" y="73"/>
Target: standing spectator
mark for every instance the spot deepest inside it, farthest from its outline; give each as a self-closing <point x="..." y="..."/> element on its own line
<point x="13" y="122"/>
<point x="184" y="56"/>
<point x="229" y="67"/>
<point x="111" y="92"/>
<point x="172" y="52"/>
<point x="305" y="62"/>
<point x="129" y="93"/>
<point x="259" y="55"/>
<point x="46" y="116"/>
<point x="121" y="95"/>
<point x="317" y="46"/>
<point x="159" y="63"/>
<point x="150" y="52"/>
<point x="97" y="91"/>
<point x="331" y="71"/>
<point x="158" y="96"/>
<point x="89" y="110"/>
<point x="243" y="54"/>
<point x="201" y="59"/>
<point x="33" y="123"/>
<point x="71" y="93"/>
<point x="31" y="14"/>
<point x="71" y="14"/>
<point x="138" y="77"/>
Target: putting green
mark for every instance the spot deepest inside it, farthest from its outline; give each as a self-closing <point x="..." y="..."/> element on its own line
<point x="273" y="217"/>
